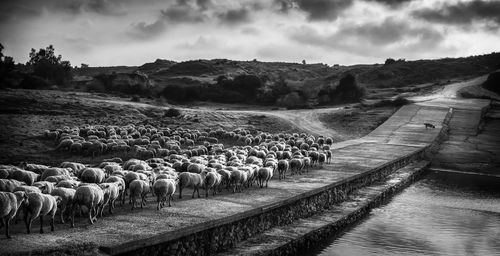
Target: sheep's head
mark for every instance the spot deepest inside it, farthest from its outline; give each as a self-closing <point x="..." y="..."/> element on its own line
<point x="22" y="198"/>
<point x="58" y="200"/>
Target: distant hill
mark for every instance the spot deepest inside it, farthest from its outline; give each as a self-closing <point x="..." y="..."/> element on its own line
<point x="307" y="79"/>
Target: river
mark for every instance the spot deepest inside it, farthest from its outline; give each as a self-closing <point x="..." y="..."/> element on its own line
<point x="442" y="214"/>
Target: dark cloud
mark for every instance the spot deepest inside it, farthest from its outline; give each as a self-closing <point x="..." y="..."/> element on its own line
<point x="462" y="13"/>
<point x="234" y="16"/>
<point x="204" y="4"/>
<point x="372" y="38"/>
<point x="144" y="31"/>
<point x="104" y="7"/>
<point x="392" y="3"/>
<point x="182" y="14"/>
<point x="316" y="10"/>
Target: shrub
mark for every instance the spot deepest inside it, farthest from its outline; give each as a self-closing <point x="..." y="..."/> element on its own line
<point x="493" y="82"/>
<point x="172" y="112"/>
<point x="389" y="61"/>
<point x="34" y="82"/>
<point x="136" y="98"/>
<point x="348" y="90"/>
<point x="397" y="102"/>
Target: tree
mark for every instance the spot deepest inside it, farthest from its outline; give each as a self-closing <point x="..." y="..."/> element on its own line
<point x="348" y="90"/>
<point x="6" y="69"/>
<point x="47" y="65"/>
<point x="389" y="61"/>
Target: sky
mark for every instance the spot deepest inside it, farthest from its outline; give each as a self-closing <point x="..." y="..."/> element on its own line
<point x="345" y="32"/>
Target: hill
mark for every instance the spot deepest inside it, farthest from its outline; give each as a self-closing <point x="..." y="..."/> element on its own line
<point x="203" y="79"/>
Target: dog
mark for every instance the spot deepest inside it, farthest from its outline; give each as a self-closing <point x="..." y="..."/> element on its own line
<point x="429" y="125"/>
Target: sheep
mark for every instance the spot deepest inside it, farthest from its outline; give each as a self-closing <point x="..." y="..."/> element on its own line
<point x="164" y="188"/>
<point x="26" y="176"/>
<point x="296" y="165"/>
<point x="139" y="188"/>
<point x="112" y="191"/>
<point x="90" y="196"/>
<point x="328" y="156"/>
<point x="282" y="168"/>
<point x="211" y="180"/>
<point x="68" y="184"/>
<point x="8" y="185"/>
<point x="54" y="171"/>
<point x="225" y="178"/>
<point x="9" y="205"/>
<point x="4" y="173"/>
<point x="36" y="168"/>
<point x="322" y="159"/>
<point x="28" y="189"/>
<point x="67" y="195"/>
<point x="121" y="181"/>
<point x="264" y="174"/>
<point x="195" y="168"/>
<point x="188" y="179"/>
<point x="74" y="166"/>
<point x="65" y="144"/>
<point x="57" y="178"/>
<point x="93" y="175"/>
<point x="238" y="177"/>
<point x="39" y="205"/>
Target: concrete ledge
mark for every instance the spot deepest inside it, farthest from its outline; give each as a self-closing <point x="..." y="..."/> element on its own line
<point x="306" y="233"/>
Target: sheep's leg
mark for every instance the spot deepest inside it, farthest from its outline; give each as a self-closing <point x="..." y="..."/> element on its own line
<point x="170" y="198"/>
<point x="41" y="224"/>
<point x="52" y="223"/>
<point x="158" y="205"/>
<point x="91" y="208"/>
<point x="111" y="206"/>
<point x="62" y="214"/>
<point x="267" y="182"/>
<point x="206" y="191"/>
<point x="198" y="190"/>
<point x="180" y="192"/>
<point x="73" y="215"/>
<point x="194" y="191"/>
<point x="7" y="224"/>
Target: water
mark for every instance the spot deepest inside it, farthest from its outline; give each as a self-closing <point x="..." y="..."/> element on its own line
<point x="442" y="214"/>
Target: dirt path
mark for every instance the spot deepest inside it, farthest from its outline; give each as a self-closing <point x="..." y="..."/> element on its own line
<point x="306" y="120"/>
<point x="449" y="91"/>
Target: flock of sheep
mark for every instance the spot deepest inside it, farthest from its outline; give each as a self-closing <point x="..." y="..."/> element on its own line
<point x="165" y="161"/>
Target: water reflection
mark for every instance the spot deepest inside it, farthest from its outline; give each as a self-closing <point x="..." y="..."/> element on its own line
<point x="443" y="214"/>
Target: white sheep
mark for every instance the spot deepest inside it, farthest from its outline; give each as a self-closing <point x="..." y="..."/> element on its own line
<point x="67" y="195"/>
<point x="9" y="205"/>
<point x="90" y="196"/>
<point x="264" y="174"/>
<point x="211" y="180"/>
<point x="112" y="191"/>
<point x="8" y="185"/>
<point x="192" y="180"/>
<point x="54" y="171"/>
<point x="93" y="175"/>
<point x="25" y="176"/>
<point x="39" y="205"/>
<point x="282" y="168"/>
<point x="139" y="188"/>
<point x="163" y="189"/>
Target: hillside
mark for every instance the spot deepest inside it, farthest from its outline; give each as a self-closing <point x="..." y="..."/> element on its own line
<point x="204" y="80"/>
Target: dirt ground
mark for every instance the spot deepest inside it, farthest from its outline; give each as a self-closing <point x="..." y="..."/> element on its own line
<point x="26" y="114"/>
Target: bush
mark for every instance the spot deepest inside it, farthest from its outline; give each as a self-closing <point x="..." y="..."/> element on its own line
<point x="34" y="82"/>
<point x="397" y="102"/>
<point x="172" y="112"/>
<point x="347" y="90"/>
<point x="136" y="98"/>
<point x="389" y="61"/>
<point x="493" y="82"/>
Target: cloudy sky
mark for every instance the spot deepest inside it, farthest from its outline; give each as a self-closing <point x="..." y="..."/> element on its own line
<point x="132" y="32"/>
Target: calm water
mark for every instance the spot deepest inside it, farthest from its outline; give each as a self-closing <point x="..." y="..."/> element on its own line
<point x="442" y="214"/>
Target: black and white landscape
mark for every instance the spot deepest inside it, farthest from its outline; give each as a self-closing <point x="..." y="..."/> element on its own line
<point x="280" y="127"/>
